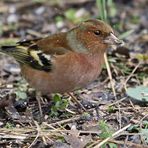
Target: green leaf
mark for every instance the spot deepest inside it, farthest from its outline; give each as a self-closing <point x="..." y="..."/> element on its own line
<point x="144" y="133"/>
<point x="9" y="125"/>
<point x="139" y="93"/>
<point x="111" y="109"/>
<point x="101" y="4"/>
<point x="59" y="104"/>
<point x="105" y="130"/>
<point x="126" y="34"/>
<point x="21" y="95"/>
<point x="112" y="145"/>
<point x="70" y="14"/>
<point x="56" y="98"/>
<point x="112" y="8"/>
<point x="133" y="128"/>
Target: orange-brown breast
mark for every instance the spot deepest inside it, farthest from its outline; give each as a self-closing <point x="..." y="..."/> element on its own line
<point x="71" y="71"/>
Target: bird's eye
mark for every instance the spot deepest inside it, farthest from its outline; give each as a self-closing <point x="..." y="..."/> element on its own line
<point x="97" y="32"/>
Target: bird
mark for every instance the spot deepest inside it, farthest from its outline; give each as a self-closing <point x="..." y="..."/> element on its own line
<point x="65" y="61"/>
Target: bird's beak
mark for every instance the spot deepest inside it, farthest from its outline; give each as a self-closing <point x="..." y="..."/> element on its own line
<point x="113" y="40"/>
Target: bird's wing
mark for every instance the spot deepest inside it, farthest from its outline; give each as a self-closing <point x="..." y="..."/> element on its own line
<point x="38" y="53"/>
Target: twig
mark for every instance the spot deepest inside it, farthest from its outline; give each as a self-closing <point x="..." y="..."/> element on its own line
<point x="38" y="134"/>
<point x="129" y="144"/>
<point x="38" y="98"/>
<point x="112" y="85"/>
<point x="10" y="136"/>
<point x="131" y="75"/>
<point x="110" y="75"/>
<point x="140" y="122"/>
<point x="107" y="139"/>
<point x="66" y="120"/>
<point x="68" y="110"/>
<point x="117" y="102"/>
<point x="35" y="33"/>
<point x="75" y="99"/>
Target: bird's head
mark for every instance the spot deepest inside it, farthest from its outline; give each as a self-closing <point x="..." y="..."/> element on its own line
<point x="93" y="35"/>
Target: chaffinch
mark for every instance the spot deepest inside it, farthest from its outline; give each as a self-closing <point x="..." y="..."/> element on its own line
<point x="65" y="61"/>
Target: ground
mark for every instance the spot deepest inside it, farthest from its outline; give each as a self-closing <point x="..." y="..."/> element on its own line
<point x="115" y="114"/>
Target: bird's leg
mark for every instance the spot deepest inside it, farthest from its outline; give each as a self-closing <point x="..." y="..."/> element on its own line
<point x="38" y="98"/>
<point x="75" y="99"/>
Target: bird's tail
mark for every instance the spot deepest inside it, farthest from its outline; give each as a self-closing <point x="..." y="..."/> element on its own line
<point x="31" y="56"/>
<point x="18" y="52"/>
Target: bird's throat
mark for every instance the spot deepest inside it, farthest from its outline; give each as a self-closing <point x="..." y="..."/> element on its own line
<point x="75" y="44"/>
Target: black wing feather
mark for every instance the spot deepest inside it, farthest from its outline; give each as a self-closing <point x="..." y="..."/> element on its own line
<point x="27" y="52"/>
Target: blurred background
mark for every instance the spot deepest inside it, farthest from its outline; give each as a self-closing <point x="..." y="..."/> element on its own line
<point x="25" y="19"/>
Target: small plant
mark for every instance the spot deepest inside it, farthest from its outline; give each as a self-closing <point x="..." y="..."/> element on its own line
<point x="142" y="130"/>
<point x="9" y="125"/>
<point x="20" y="90"/>
<point x="59" y="105"/>
<point x="105" y="130"/>
<point x="101" y="4"/>
<point x="111" y="109"/>
<point x="105" y="133"/>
